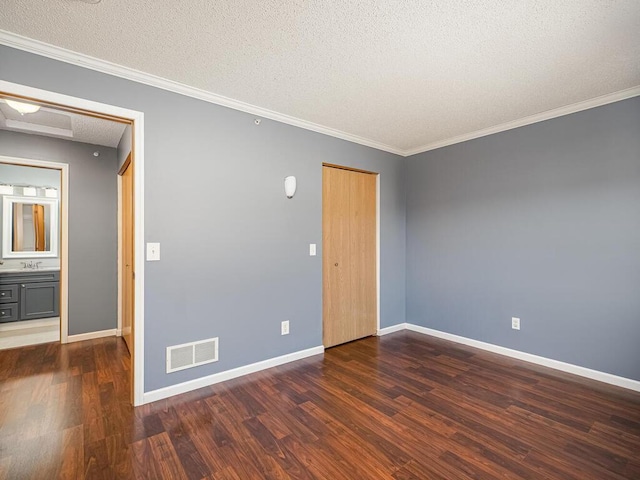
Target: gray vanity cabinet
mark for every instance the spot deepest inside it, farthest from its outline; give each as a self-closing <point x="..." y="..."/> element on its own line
<point x="8" y="293"/>
<point x="8" y="312"/>
<point x="29" y="295"/>
<point x="39" y="300"/>
<point x="9" y="303"/>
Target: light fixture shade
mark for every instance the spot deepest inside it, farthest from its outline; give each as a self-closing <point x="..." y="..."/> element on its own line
<point x="23" y="107"/>
<point x="290" y="186"/>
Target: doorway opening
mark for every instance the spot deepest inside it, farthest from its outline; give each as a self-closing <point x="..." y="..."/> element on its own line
<point x="33" y="198"/>
<point x="52" y="103"/>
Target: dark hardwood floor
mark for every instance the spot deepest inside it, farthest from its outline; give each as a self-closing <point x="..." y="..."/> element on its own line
<point x="404" y="406"/>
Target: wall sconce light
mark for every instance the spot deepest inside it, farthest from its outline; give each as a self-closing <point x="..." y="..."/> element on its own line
<point x="290" y="186"/>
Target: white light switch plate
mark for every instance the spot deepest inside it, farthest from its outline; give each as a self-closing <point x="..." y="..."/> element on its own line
<point x="312" y="249"/>
<point x="153" y="252"/>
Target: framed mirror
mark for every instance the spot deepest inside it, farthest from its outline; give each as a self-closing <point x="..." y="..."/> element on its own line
<point x="29" y="227"/>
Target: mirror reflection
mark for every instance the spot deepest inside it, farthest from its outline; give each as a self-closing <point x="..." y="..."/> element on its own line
<point x="31" y="227"/>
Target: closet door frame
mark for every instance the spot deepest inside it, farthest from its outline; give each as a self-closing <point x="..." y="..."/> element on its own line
<point x="377" y="239"/>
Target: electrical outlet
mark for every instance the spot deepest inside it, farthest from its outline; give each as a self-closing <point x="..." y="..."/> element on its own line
<point x="284" y="328"/>
<point x="515" y="323"/>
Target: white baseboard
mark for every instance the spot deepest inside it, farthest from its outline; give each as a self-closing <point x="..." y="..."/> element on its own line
<point x="528" y="357"/>
<point x="118" y="332"/>
<point x="391" y="329"/>
<point x="190" y="385"/>
<point x="91" y="335"/>
<point x="184" y="387"/>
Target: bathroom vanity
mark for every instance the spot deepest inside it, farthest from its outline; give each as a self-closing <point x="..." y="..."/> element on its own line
<point x="27" y="295"/>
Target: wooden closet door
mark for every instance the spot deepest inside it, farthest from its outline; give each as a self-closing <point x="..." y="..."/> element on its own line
<point x="362" y="253"/>
<point x="349" y="255"/>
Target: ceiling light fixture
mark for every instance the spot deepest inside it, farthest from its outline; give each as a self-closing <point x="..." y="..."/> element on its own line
<point x="23" y="108"/>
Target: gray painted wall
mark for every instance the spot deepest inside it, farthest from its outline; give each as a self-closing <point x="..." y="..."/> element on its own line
<point x="93" y="231"/>
<point x="124" y="146"/>
<point x="37" y="177"/>
<point x="542" y="223"/>
<point x="238" y="265"/>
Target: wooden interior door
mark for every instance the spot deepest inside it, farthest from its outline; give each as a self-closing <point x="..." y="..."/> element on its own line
<point x="349" y="255"/>
<point x="128" y="274"/>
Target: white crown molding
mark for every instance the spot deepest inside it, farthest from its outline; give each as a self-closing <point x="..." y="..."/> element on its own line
<point x="68" y="56"/>
<point x="538" y="117"/>
<point x="201" y="382"/>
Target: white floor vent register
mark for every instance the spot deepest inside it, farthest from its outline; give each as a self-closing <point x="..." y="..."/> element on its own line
<point x="192" y="354"/>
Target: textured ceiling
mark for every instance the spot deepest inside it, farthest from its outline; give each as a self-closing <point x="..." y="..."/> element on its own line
<point x="402" y="73"/>
<point x="50" y="122"/>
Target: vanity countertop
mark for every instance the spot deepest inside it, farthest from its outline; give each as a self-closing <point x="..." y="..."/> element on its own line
<point x="28" y="270"/>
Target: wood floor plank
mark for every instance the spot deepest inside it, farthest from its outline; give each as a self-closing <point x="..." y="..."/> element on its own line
<point x="71" y="465"/>
<point x="403" y="406"/>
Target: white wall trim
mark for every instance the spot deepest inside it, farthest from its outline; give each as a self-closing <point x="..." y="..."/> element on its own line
<point x="74" y="58"/>
<point x="46" y="96"/>
<point x="528" y="357"/>
<point x="538" y="117"/>
<point x="68" y="56"/>
<point x="184" y="387"/>
<point x="119" y="253"/>
<point x="391" y="329"/>
<point x="137" y="157"/>
<point x="80" y="337"/>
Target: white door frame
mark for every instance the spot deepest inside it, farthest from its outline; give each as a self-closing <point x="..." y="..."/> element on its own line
<point x="137" y="118"/>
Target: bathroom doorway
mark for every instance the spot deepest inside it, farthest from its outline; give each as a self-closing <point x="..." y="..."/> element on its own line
<point x="32" y="199"/>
